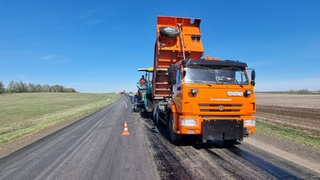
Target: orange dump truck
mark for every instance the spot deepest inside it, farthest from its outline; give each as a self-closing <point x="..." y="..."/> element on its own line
<point x="207" y="97"/>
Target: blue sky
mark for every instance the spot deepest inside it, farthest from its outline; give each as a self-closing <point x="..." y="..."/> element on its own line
<point x="97" y="46"/>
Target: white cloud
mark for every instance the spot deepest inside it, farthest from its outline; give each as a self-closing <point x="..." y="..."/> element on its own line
<point x="20" y="76"/>
<point x="95" y="16"/>
<point x="49" y="57"/>
<point x="52" y="59"/>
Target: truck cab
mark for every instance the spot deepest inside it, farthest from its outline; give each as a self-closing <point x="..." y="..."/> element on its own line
<point x="213" y="98"/>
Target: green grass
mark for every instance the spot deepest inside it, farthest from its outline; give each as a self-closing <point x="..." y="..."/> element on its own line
<point x="23" y="114"/>
<point x="307" y="138"/>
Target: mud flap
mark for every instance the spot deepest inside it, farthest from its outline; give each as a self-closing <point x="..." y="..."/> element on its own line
<point x="222" y="130"/>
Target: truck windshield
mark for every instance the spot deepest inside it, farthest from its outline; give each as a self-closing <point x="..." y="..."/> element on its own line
<point x="215" y="75"/>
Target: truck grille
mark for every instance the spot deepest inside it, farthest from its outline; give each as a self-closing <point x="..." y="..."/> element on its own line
<point x="220" y="107"/>
<point x="226" y="117"/>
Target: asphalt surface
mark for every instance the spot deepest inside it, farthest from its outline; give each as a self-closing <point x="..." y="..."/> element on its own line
<point x="94" y="148"/>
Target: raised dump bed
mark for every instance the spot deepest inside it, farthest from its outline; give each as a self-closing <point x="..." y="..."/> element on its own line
<point x="177" y="39"/>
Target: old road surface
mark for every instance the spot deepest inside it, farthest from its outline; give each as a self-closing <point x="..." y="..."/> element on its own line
<point x="95" y="148"/>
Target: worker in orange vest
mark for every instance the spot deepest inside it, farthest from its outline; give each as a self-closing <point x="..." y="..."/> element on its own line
<point x="142" y="80"/>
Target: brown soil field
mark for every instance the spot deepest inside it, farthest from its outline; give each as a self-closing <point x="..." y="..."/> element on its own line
<point x="296" y="111"/>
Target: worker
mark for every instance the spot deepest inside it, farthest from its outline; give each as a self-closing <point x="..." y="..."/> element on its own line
<point x="142" y="80"/>
<point x="138" y="96"/>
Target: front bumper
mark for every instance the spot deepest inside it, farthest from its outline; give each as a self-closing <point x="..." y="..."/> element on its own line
<point x="222" y="130"/>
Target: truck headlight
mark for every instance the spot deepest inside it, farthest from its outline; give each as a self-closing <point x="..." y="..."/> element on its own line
<point x="248" y="92"/>
<point x="194" y="91"/>
<point x="250" y="123"/>
<point x="188" y="122"/>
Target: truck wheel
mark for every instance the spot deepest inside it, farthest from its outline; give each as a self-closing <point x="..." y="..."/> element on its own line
<point x="169" y="31"/>
<point x="155" y="114"/>
<point x="134" y="108"/>
<point x="174" y="138"/>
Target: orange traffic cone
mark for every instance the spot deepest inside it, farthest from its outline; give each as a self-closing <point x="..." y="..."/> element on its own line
<point x="125" y="129"/>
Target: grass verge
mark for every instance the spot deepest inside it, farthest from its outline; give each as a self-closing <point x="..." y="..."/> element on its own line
<point x="23" y="114"/>
<point x="291" y="134"/>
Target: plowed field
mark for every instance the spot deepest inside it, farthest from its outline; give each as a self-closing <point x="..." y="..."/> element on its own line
<point x="296" y="111"/>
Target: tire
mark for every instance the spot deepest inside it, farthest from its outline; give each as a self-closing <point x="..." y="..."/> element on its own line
<point x="174" y="138"/>
<point x="169" y="31"/>
<point x="154" y="113"/>
<point x="156" y="116"/>
<point x="134" y="108"/>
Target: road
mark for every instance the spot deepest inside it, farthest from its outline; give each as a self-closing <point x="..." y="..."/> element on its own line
<point x="94" y="148"/>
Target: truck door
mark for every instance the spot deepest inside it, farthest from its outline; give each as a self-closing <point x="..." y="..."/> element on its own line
<point x="176" y="89"/>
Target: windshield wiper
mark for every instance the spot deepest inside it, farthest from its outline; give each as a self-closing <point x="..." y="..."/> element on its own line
<point x="235" y="80"/>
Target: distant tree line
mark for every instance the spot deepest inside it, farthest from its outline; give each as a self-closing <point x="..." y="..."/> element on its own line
<point x="21" y="87"/>
<point x="301" y="91"/>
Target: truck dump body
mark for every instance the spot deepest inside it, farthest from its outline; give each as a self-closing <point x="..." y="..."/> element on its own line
<point x="169" y="50"/>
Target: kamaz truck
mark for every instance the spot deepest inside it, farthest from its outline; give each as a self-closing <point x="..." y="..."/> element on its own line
<point x="195" y="96"/>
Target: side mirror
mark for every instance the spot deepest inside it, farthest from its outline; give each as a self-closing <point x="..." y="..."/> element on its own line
<point x="253" y="77"/>
<point x="172" y="80"/>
